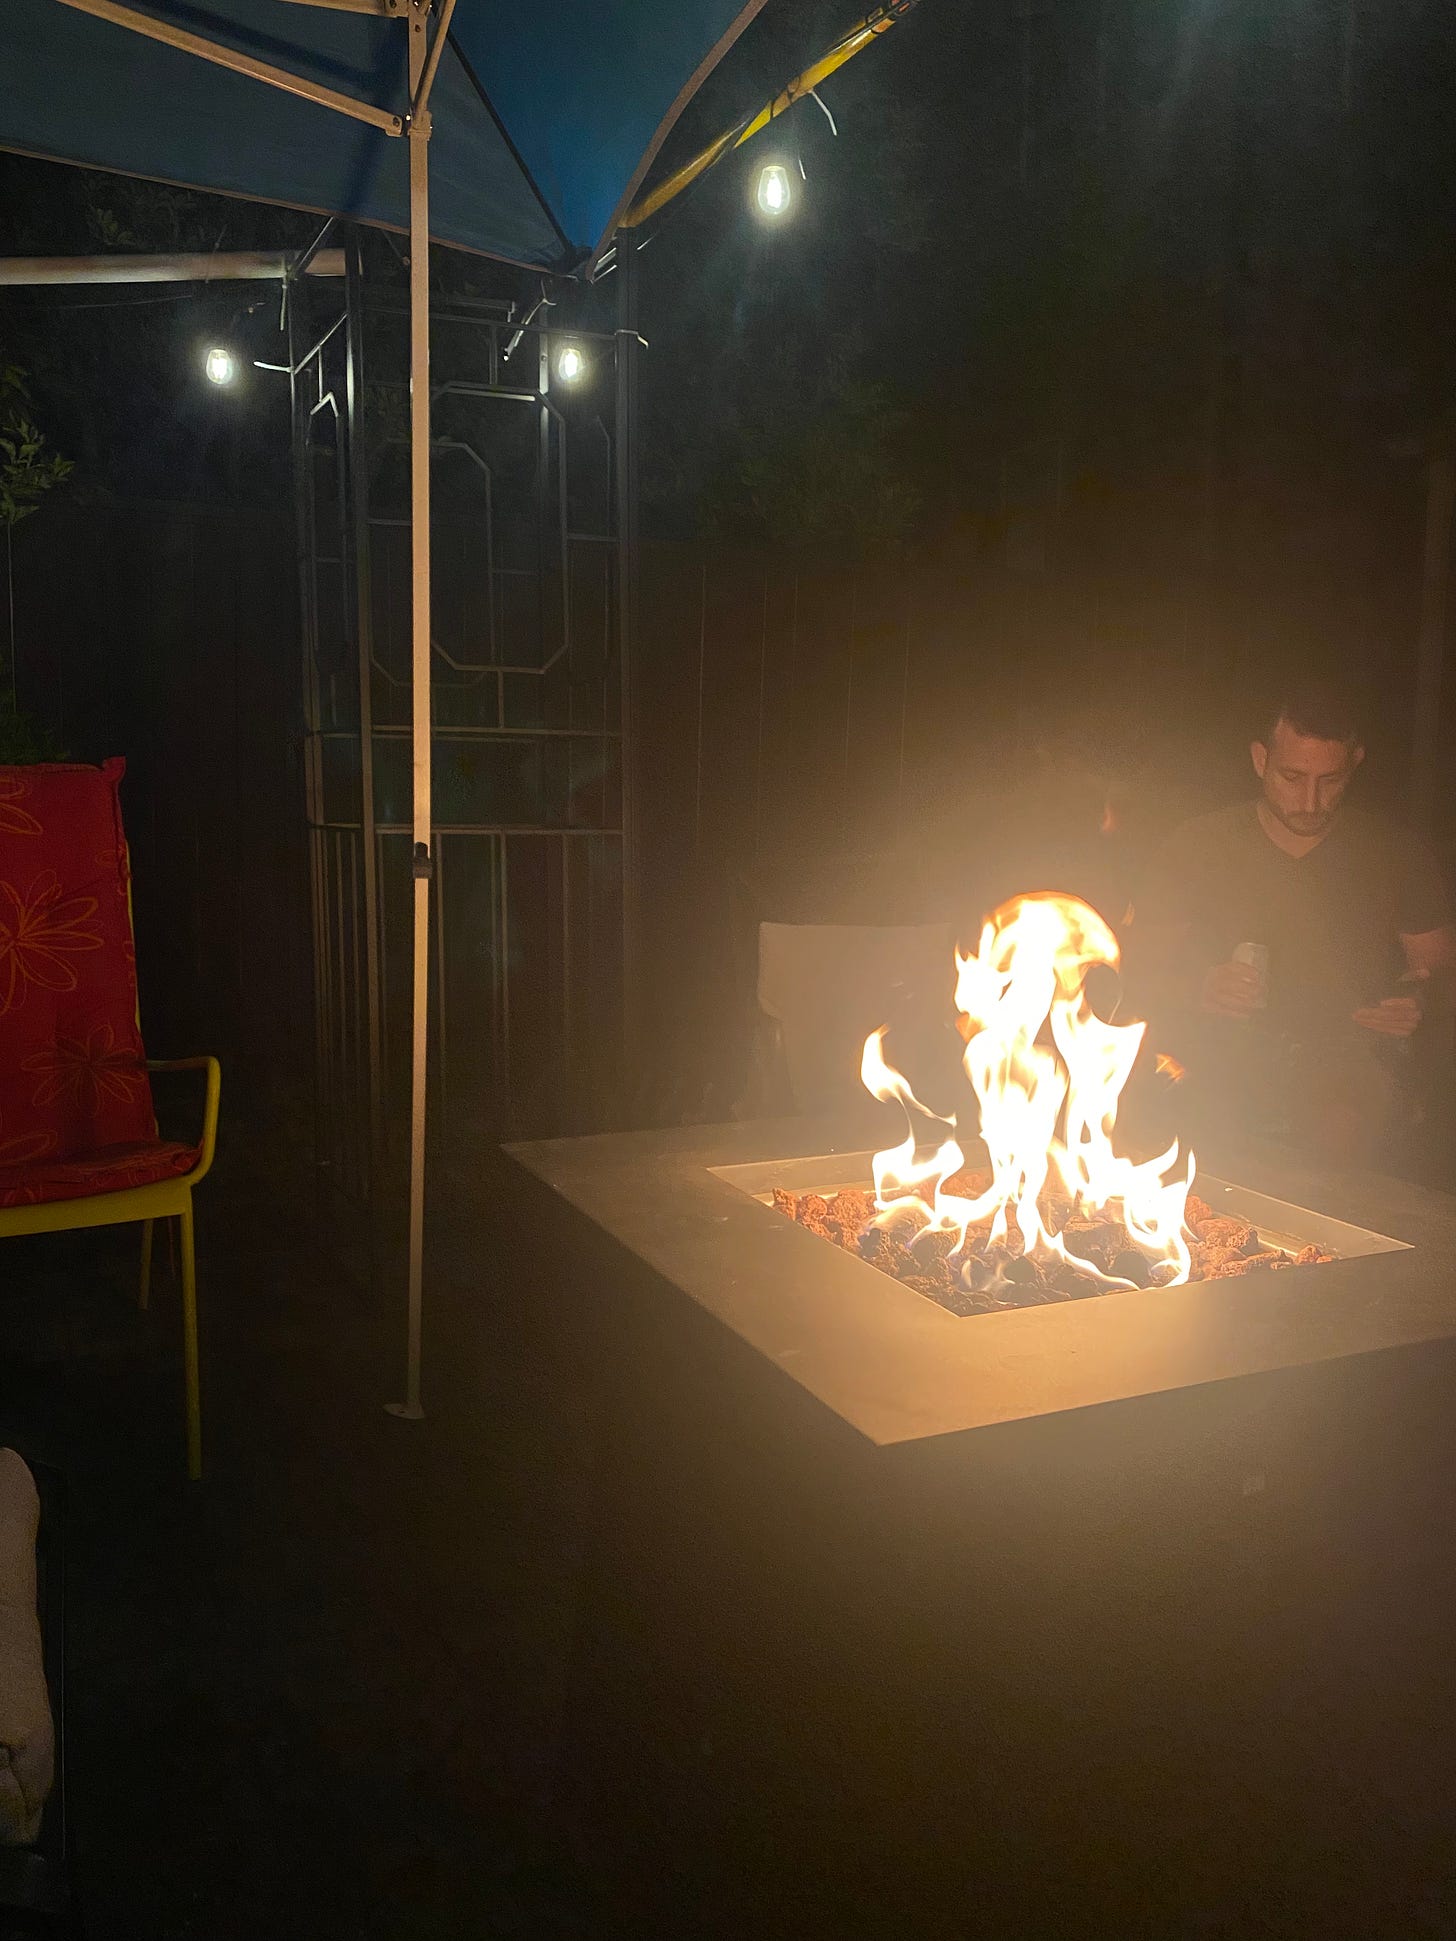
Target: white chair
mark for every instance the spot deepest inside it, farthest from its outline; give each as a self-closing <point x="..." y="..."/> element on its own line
<point x="823" y="988"/>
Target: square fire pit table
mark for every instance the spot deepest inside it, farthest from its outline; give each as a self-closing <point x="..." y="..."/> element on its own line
<point x="688" y="1207"/>
<point x="895" y="1613"/>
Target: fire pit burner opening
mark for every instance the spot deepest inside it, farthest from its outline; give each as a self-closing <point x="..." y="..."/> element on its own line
<point x="832" y="1195"/>
<point x="985" y="1274"/>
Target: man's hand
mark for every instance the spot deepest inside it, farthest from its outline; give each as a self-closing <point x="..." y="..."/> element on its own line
<point x="1394" y="1017"/>
<point x="1234" y="991"/>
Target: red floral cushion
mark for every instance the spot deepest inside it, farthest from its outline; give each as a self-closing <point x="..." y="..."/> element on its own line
<point x="109" y="1170"/>
<point x="73" y="1079"/>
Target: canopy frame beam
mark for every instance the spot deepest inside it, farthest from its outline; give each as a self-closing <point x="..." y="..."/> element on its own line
<point x="218" y="266"/>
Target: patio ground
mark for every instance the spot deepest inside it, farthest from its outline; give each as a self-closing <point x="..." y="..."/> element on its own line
<point x="314" y="1695"/>
<point x="320" y="1694"/>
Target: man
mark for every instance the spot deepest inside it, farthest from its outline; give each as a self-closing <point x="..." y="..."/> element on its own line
<point x="1306" y="1035"/>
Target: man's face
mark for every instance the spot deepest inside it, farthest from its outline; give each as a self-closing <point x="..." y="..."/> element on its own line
<point x="1304" y="778"/>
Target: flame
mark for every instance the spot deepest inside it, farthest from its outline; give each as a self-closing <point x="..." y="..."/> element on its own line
<point x="1048" y="1074"/>
<point x="1169" y="1068"/>
<point x="899" y="1171"/>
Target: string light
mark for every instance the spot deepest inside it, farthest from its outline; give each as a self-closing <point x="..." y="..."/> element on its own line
<point x="220" y="365"/>
<point x="773" y="193"/>
<point x="570" y="364"/>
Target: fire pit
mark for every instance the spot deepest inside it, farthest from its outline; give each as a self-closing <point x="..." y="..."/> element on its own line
<point x="966" y="1603"/>
<point x="693" y="1211"/>
<point x="913" y="1594"/>
<point x="890" y="1607"/>
<point x="1189" y="1287"/>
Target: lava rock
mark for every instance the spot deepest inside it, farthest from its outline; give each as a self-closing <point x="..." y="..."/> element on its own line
<point x="925" y="1284"/>
<point x="928" y="1246"/>
<point x="1076" y="1287"/>
<point x="975" y="1272"/>
<point x="1132" y="1266"/>
<point x="927" y="1258"/>
<point x="1021" y="1273"/>
<point x="959" y="1300"/>
<point x="881" y="1249"/>
<point x="1089" y="1241"/>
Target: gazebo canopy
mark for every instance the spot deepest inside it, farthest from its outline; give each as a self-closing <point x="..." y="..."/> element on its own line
<point x="545" y="118"/>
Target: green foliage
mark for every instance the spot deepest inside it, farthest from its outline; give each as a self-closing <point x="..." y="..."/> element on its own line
<point x="124" y="214"/>
<point x="22" y="739"/>
<point x="29" y="469"/>
<point x="108" y="229"/>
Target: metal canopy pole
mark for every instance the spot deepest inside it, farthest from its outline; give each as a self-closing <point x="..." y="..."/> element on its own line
<point x="627" y="537"/>
<point x="423" y="63"/>
<point x="424" y="59"/>
<point x="363" y="607"/>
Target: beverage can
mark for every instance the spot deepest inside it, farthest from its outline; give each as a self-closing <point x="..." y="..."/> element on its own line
<point x="1256" y="956"/>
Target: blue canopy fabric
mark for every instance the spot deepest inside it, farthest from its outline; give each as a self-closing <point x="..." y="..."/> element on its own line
<point x="545" y="117"/>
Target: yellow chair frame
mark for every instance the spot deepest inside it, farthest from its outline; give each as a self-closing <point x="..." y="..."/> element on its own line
<point x="165" y="1199"/>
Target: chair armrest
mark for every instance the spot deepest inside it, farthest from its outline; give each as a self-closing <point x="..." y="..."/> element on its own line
<point x="210" y="1103"/>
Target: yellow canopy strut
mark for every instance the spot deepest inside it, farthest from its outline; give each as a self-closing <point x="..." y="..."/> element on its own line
<point x="875" y="23"/>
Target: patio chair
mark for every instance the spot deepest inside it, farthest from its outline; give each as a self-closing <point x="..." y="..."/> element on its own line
<point x="79" y="1145"/>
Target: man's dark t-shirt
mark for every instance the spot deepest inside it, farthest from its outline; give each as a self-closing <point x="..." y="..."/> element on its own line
<point x="1332" y="920"/>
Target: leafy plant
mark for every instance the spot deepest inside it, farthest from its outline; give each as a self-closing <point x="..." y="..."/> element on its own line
<point x="108" y="229"/>
<point x="22" y="738"/>
<point x="29" y="471"/>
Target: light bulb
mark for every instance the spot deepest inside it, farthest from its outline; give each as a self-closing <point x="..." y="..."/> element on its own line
<point x="220" y="366"/>
<point x="570" y="365"/>
<point x="773" y="189"/>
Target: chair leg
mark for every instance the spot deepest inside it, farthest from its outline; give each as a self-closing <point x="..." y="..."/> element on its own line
<point x="189" y="1345"/>
<point x="144" y="1290"/>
